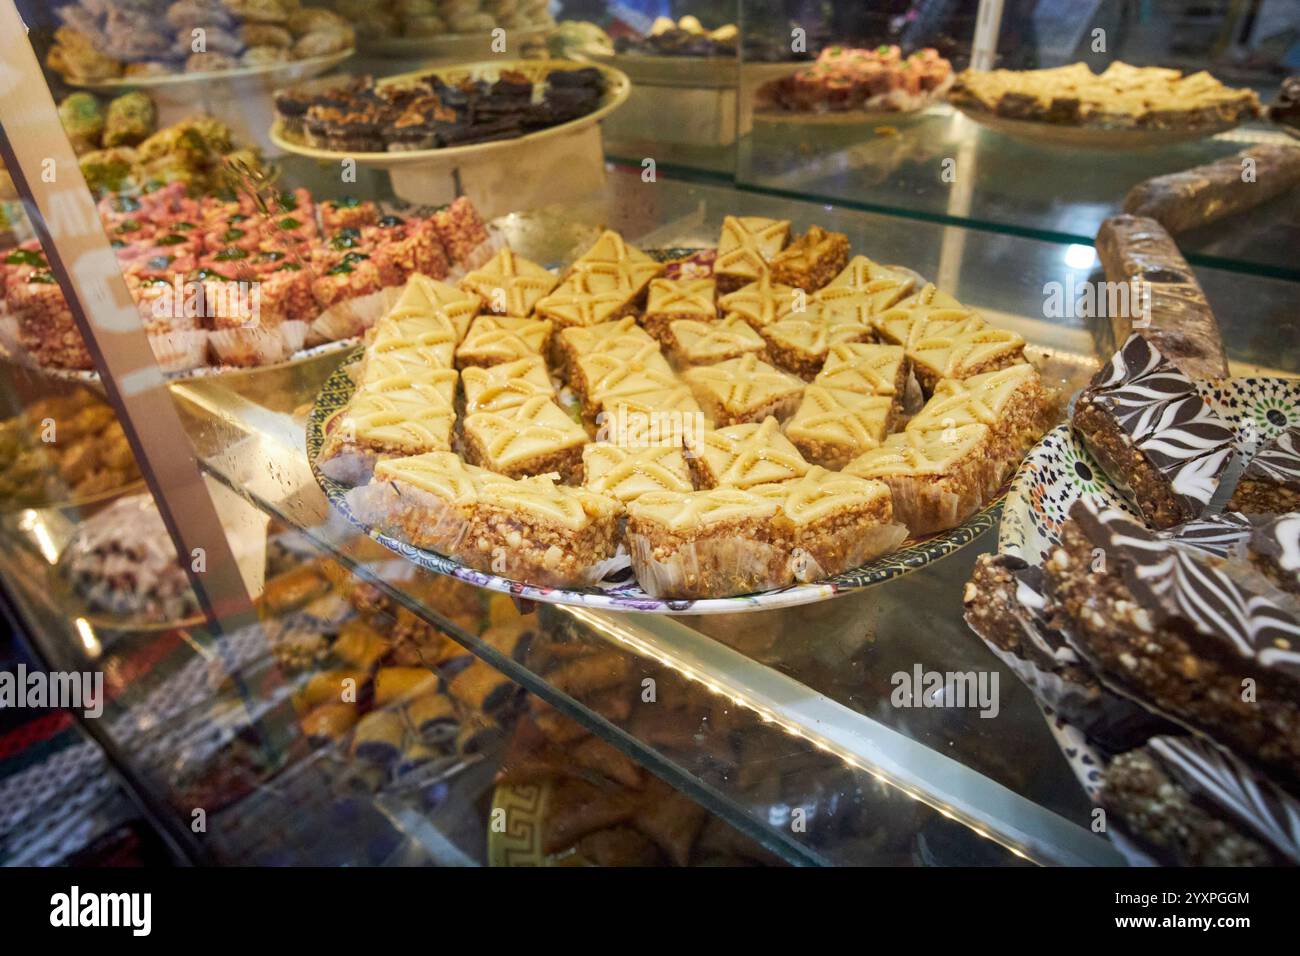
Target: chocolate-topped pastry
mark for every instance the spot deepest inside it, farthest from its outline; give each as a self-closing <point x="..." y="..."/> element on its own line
<point x="1221" y="535"/>
<point x="1271" y="482"/>
<point x="1275" y="550"/>
<point x="588" y="76"/>
<point x="1166" y="627"/>
<point x="1154" y="435"/>
<point x="1189" y="803"/>
<point x="1007" y="607"/>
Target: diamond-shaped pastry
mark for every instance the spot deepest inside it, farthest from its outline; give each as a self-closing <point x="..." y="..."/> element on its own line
<point x="419" y="363"/>
<point x="394" y="417"/>
<point x="798" y="343"/>
<point x="745" y="247"/>
<point x="741" y="456"/>
<point x="833" y="426"/>
<point x="960" y="350"/>
<point x="907" y="327"/>
<point x="762" y="303"/>
<point x="931" y="296"/>
<point x="627" y="473"/>
<point x="832" y="522"/>
<point x="866" y="369"/>
<point x="937" y="479"/>
<point x="670" y="300"/>
<point x="507" y="385"/>
<point x="644" y="400"/>
<point x="704" y="343"/>
<point x="744" y="390"/>
<point x="612" y="255"/>
<point x="589" y="297"/>
<point x="436" y="333"/>
<point x="509" y="284"/>
<point x="621" y="339"/>
<point x="1011" y="402"/>
<point x="591" y="375"/>
<point x="812" y="260"/>
<point x="422" y="294"/>
<point x="493" y="339"/>
<point x="532" y="438"/>
<point x="863" y="289"/>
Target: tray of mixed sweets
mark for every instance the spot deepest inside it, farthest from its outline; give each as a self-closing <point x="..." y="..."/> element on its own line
<point x="767" y="423"/>
<point x="846" y="85"/>
<point x="445" y="116"/>
<point x="1123" y="107"/>
<point x="250" y="281"/>
<point x="183" y="48"/>
<point x="1147" y="590"/>
<point x="672" y="54"/>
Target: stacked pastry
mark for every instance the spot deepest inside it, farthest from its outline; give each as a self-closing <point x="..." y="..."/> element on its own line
<point x="746" y="423"/>
<point x="1168" y="634"/>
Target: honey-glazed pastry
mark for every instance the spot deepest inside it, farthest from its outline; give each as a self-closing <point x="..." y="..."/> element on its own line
<point x="744" y="390"/>
<point x="393" y="684"/>
<point x="589" y="296"/>
<point x="1011" y="402"/>
<point x="621" y="357"/>
<point x="863" y="289"/>
<point x="493" y="339"/>
<point x="496" y="388"/>
<point x="672" y="299"/>
<point x="383" y="420"/>
<point x="509" y="284"/>
<point x="798" y="343"/>
<point x="612" y="253"/>
<point x="702" y="544"/>
<point x="936" y="479"/>
<point x="833" y="522"/>
<point x="424" y="365"/>
<point x="745" y="247"/>
<point x="673" y="820"/>
<point x="866" y="369"/>
<point x="422" y="295"/>
<point x="833" y="426"/>
<point x="434" y="333"/>
<point x="706" y="343"/>
<point x="812" y="260"/>
<point x="741" y="456"/>
<point x="533" y="438"/>
<point x="626" y="473"/>
<point x="621" y="339"/>
<point x="931" y="296"/>
<point x="961" y="350"/>
<point x="761" y="303"/>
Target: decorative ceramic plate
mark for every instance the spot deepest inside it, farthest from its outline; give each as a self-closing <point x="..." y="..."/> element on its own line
<point x="617" y="87"/>
<point x="194" y="87"/>
<point x="1058" y="470"/>
<point x="517" y="839"/>
<point x="1090" y="137"/>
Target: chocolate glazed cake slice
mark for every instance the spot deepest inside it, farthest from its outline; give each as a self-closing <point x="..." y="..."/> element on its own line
<point x="1159" y="624"/>
<point x="1144" y="421"/>
<point x="1190" y="803"/>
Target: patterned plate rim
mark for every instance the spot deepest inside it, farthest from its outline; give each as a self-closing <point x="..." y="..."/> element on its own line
<point x="338" y="388"/>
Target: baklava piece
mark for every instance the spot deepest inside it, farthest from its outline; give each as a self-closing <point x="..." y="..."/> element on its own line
<point x="1145" y="423"/>
<point x="508" y="385"/>
<point x="812" y="260"/>
<point x="761" y="303"/>
<point x="949" y="343"/>
<point x="833" y="426"/>
<point x="611" y="256"/>
<point x="493" y="339"/>
<point x="745" y="248"/>
<point x="703" y="544"/>
<point x="863" y="289"/>
<point x="422" y="295"/>
<point x="391" y="417"/>
<point x="640" y="369"/>
<point x="588" y="297"/>
<point x="671" y="300"/>
<point x="742" y="456"/>
<point x="706" y="343"/>
<point x="621" y="339"/>
<point x="509" y="284"/>
<point x="535" y="437"/>
<point x="798" y="343"/>
<point x="831" y="523"/>
<point x="1271" y="482"/>
<point x="744" y="390"/>
<point x="937" y="478"/>
<point x="866" y="369"/>
<point x="1166" y="626"/>
<point x="626" y="473"/>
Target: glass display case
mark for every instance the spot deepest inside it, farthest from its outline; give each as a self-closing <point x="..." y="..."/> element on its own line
<point x="277" y="681"/>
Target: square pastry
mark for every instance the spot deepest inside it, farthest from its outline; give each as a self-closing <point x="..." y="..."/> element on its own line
<point x="812" y="260"/>
<point x="642" y="368"/>
<point x="700" y="544"/>
<point x="937" y="479"/>
<point x="833" y="523"/>
<point x="704" y="343"/>
<point x="867" y="369"/>
<point x="743" y="390"/>
<point x="509" y="284"/>
<point x="626" y="473"/>
<point x="1148" y="427"/>
<point x="745" y="247"/>
<point x="962" y="350"/>
<point x="833" y="426"/>
<point x="497" y="387"/>
<point x="798" y="343"/>
<point x="672" y="299"/>
<point x="621" y="339"/>
<point x="863" y="289"/>
<point x="741" y="456"/>
<point x="493" y="339"/>
<point x="533" y="438"/>
<point x="761" y="303"/>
